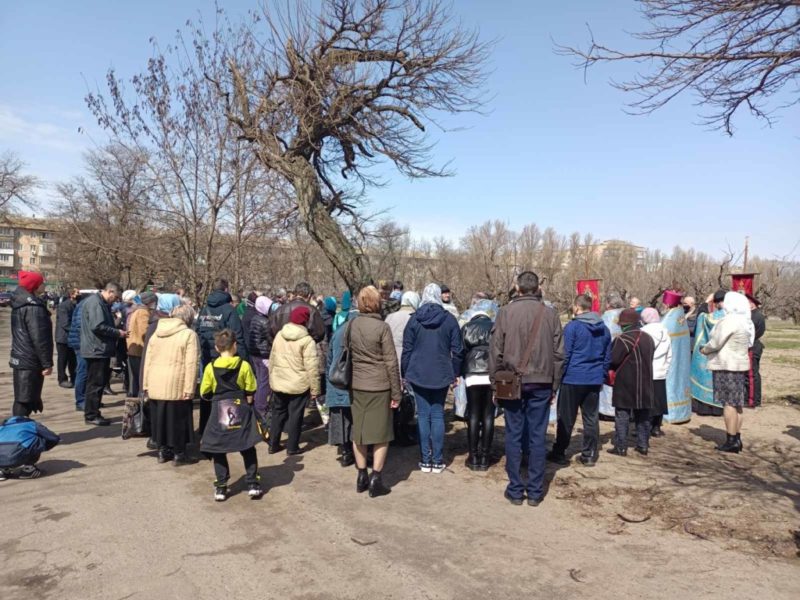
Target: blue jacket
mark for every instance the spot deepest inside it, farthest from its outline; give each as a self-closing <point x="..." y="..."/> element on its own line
<point x="432" y="348"/>
<point x="74" y="335"/>
<point x="587" y="350"/>
<point x="22" y="440"/>
<point x="334" y="397"/>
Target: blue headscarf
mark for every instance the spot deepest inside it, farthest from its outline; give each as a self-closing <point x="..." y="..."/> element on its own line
<point x="166" y="302"/>
<point x="347" y="301"/>
<point x="330" y="304"/>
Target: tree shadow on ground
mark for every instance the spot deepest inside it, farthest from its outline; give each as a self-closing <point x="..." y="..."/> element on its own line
<point x="93" y="433"/>
<point x="792" y="430"/>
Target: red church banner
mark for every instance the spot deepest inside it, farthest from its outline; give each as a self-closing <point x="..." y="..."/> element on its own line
<point x="743" y="282"/>
<point x="591" y="288"/>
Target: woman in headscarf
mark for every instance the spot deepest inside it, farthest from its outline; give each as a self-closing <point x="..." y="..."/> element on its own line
<point x="397" y="321"/>
<point x="702" y="379"/>
<point x="662" y="359"/>
<point x="259" y="345"/>
<point x="170" y="381"/>
<point x="338" y="401"/>
<point x="342" y="315"/>
<point x="632" y="363"/>
<point x="477" y="333"/>
<point x="729" y="361"/>
<point x="375" y="389"/>
<point x="328" y="311"/>
<point x="431" y="363"/>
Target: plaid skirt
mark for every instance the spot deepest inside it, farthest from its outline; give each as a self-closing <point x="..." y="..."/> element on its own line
<point x="730" y="388"/>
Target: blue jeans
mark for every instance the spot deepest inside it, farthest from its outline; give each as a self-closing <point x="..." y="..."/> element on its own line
<point x="430" y="422"/>
<point x="80" y="380"/>
<point x="531" y="413"/>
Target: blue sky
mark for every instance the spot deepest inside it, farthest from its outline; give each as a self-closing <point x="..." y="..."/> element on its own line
<point x="554" y="149"/>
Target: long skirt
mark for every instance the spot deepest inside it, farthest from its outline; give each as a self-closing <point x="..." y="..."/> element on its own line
<point x="660" y="393"/>
<point x="171" y="423"/>
<point x="372" y="417"/>
<point x="340" y="426"/>
<point x="730" y="388"/>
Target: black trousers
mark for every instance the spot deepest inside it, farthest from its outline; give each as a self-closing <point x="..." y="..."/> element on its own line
<point x="480" y="423"/>
<point x="66" y="362"/>
<point x="96" y="372"/>
<point x="134" y="370"/>
<point x="27" y="392"/>
<point x="758" y="350"/>
<point x="622" y="420"/>
<point x="287" y="411"/>
<point x="223" y="473"/>
<point x="571" y="397"/>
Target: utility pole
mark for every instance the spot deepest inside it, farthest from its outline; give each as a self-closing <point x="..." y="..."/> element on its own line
<point x="746" y="252"/>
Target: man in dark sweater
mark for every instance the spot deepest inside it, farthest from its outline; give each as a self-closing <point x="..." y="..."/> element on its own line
<point x="587" y="355"/>
<point x="302" y="297"/>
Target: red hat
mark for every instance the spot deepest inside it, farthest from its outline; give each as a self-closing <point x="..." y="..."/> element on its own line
<point x="300" y="315"/>
<point x="30" y="280"/>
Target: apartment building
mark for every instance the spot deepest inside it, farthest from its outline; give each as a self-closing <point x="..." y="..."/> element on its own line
<point x="26" y="245"/>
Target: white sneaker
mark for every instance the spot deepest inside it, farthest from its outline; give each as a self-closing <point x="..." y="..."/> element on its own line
<point x="425" y="467"/>
<point x="5" y="474"/>
<point x="438" y="468"/>
<point x="220" y="493"/>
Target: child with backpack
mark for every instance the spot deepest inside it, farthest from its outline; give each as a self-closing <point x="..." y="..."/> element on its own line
<point x="229" y="384"/>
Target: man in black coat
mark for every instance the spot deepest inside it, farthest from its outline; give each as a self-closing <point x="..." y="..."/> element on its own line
<point x="216" y="315"/>
<point x="760" y="324"/>
<point x="67" y="360"/>
<point x="31" y="344"/>
<point x="99" y="339"/>
<point x="302" y="297"/>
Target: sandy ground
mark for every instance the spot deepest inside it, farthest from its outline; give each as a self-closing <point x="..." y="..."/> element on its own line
<point x="108" y="522"/>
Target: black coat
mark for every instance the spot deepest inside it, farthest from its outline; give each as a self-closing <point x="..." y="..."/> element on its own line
<point x="31" y="332"/>
<point x="477" y="336"/>
<point x="216" y="315"/>
<point x="249" y="313"/>
<point x="63" y="320"/>
<point x="633" y="364"/>
<point x="259" y="337"/>
<point x="280" y="317"/>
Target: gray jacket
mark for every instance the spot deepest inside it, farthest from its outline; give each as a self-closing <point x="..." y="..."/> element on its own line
<point x="98" y="334"/>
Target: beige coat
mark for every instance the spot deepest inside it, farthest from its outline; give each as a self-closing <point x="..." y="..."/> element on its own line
<point x="293" y="363"/>
<point x="137" y="327"/>
<point x="727" y="348"/>
<point x="170" y="364"/>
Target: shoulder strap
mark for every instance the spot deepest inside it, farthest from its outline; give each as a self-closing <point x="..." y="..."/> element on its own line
<point x="627" y="356"/>
<point x="526" y="356"/>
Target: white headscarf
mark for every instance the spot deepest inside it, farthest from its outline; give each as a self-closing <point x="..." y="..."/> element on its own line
<point x="737" y="306"/>
<point x="432" y="294"/>
<point x="410" y="299"/>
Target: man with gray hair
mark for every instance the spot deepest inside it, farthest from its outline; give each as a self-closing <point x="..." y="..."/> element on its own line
<point x="98" y="345"/>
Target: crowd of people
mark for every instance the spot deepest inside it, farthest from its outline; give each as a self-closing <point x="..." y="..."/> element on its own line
<point x="379" y="366"/>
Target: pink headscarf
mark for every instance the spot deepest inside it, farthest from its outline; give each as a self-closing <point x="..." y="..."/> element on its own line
<point x="263" y="305"/>
<point x="650" y="315"/>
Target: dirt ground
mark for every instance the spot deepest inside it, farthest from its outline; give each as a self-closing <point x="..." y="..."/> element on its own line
<point x="108" y="522"/>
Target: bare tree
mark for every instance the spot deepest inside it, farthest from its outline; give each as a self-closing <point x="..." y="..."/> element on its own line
<point x="732" y="53"/>
<point x="325" y="97"/>
<point x="15" y="185"/>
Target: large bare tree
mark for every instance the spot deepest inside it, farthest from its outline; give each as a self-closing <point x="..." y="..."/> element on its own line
<point x="734" y="54"/>
<point x="15" y="185"/>
<point x="324" y="97"/>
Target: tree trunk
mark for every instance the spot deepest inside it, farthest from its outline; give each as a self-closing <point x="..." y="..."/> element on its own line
<point x="324" y="229"/>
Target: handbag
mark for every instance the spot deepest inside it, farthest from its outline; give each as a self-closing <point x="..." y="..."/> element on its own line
<point x="508" y="384"/>
<point x="611" y="378"/>
<point x="133" y="418"/>
<point x="340" y="373"/>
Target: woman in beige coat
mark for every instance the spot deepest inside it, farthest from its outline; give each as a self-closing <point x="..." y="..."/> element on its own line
<point x="170" y="382"/>
<point x="293" y="376"/>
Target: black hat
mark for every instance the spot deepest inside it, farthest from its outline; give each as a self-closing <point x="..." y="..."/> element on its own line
<point x="445" y="289"/>
<point x="719" y="295"/>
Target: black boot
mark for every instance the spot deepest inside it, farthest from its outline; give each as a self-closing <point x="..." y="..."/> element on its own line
<point x="473" y="462"/>
<point x="730" y="445"/>
<point x="483" y="461"/>
<point x="376" y="487"/>
<point x="739" y="442"/>
<point x="362" y="483"/>
<point x="347" y="459"/>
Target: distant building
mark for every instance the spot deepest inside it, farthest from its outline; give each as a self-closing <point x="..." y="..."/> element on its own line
<point x="27" y="245"/>
<point x="620" y="250"/>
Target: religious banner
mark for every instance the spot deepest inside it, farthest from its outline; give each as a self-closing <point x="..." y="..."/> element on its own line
<point x="743" y="282"/>
<point x="591" y="288"/>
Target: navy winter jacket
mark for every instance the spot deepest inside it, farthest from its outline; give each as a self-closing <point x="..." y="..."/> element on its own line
<point x="216" y="315"/>
<point x="74" y="335"/>
<point x="587" y="350"/>
<point x="432" y="348"/>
